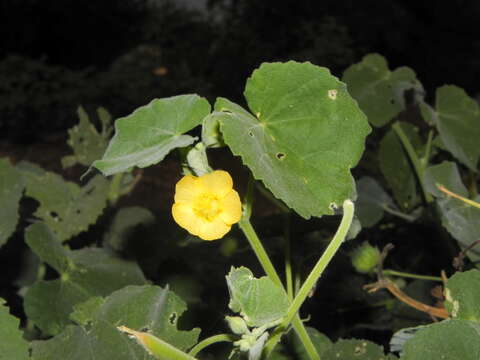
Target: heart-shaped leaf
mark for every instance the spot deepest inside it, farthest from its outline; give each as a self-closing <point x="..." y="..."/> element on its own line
<point x="304" y="137"/>
<point x="147" y="135"/>
<point x="379" y="91"/>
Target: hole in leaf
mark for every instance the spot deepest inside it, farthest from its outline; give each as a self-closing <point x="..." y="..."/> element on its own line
<point x="55" y="216"/>
<point x="173" y="318"/>
<point x="359" y="350"/>
<point x="280" y="156"/>
<point x="250" y="134"/>
<point x="332" y="94"/>
<point x="392" y="101"/>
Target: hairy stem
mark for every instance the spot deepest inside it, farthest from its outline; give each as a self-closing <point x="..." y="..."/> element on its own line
<point x="288" y="258"/>
<point x="322" y="263"/>
<point x="209" y="341"/>
<point x="269" y="269"/>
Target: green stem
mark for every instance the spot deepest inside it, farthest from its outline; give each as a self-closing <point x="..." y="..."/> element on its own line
<point x="417" y="164"/>
<point x="209" y="341"/>
<point x="288" y="258"/>
<point x="428" y="150"/>
<point x="332" y="248"/>
<point x="259" y="250"/>
<point x="298" y="283"/>
<point x="269" y="269"/>
<point x="114" y="190"/>
<point x="411" y="276"/>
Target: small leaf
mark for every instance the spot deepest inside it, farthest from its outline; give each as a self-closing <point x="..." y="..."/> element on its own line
<point x="379" y="91"/>
<point x="11" y="189"/>
<point x="459" y="124"/>
<point x="304" y="137"/>
<point x="197" y="160"/>
<point x="396" y="167"/>
<point x="65" y="207"/>
<point x="462" y="295"/>
<point x="147" y="135"/>
<point x="461" y="220"/>
<point x="355" y="349"/>
<point x="12" y="344"/>
<point x="371" y="201"/>
<point x="83" y="273"/>
<point x="86" y="142"/>
<point x="211" y="135"/>
<point x="446" y="174"/>
<point x="260" y="301"/>
<point x="142" y="308"/>
<point x="124" y="223"/>
<point x="449" y="339"/>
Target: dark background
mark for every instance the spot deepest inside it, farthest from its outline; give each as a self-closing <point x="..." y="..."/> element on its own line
<point x="56" y="55"/>
<point x="120" y="54"/>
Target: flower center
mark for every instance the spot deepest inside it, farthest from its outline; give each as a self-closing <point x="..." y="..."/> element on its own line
<point x="207" y="206"/>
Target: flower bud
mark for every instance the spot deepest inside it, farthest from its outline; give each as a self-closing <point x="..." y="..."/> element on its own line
<point x="237" y="325"/>
<point x="365" y="258"/>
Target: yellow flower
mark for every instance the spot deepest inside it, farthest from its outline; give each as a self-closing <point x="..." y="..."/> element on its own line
<point x="207" y="206"/>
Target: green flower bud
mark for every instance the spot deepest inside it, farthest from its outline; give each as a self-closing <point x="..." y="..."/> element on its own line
<point x="237" y="325"/>
<point x="365" y="258"/>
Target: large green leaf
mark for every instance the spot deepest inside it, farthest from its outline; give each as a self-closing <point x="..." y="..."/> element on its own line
<point x="12" y="344"/>
<point x="260" y="301"/>
<point x="83" y="273"/>
<point x="86" y="142"/>
<point x="355" y="349"/>
<point x="142" y="308"/>
<point x="379" y="91"/>
<point x="460" y="219"/>
<point x="305" y="135"/>
<point x="396" y="166"/>
<point x="459" y="124"/>
<point x="147" y="135"/>
<point x="65" y="207"/>
<point x="449" y="340"/>
<point x="462" y="295"/>
<point x="11" y="188"/>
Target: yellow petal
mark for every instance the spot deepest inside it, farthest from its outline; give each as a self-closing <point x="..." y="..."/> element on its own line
<point x="219" y="182"/>
<point x="185" y="217"/>
<point x="212" y="230"/>
<point x="198" y="226"/>
<point x="231" y="208"/>
<point x="187" y="189"/>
